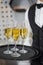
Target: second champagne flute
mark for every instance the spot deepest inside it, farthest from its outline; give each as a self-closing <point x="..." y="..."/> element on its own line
<point x="15" y="36"/>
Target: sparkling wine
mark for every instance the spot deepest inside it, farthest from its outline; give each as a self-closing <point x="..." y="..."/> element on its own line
<point x="8" y="32"/>
<point x="24" y="32"/>
<point x="16" y="33"/>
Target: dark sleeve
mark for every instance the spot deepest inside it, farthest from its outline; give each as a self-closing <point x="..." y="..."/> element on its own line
<point x="36" y="45"/>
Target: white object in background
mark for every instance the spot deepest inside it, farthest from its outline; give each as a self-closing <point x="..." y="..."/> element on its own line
<point x="28" y="40"/>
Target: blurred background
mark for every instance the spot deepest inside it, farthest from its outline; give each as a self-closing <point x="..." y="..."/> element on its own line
<point x="21" y="4"/>
<point x="14" y="10"/>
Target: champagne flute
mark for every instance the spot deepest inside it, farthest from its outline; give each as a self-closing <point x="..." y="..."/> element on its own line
<point x="8" y="34"/>
<point x="24" y="33"/>
<point x="15" y="36"/>
<point x="15" y="24"/>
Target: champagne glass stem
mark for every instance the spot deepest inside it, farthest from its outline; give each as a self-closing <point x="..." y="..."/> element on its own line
<point x="15" y="54"/>
<point x="23" y="44"/>
<point x="8" y="47"/>
<point x="7" y="51"/>
<point x="23" y="50"/>
<point x="15" y="45"/>
<point x="23" y="47"/>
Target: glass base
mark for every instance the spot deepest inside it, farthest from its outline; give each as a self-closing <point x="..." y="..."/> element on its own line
<point x="23" y="51"/>
<point x="13" y="49"/>
<point x="15" y="54"/>
<point x="7" y="52"/>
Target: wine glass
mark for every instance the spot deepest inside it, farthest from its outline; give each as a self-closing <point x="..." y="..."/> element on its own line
<point x="8" y="34"/>
<point x="15" y="24"/>
<point x="15" y="36"/>
<point x="23" y="33"/>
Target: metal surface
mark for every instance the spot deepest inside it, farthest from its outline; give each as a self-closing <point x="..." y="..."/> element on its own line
<point x="24" y="3"/>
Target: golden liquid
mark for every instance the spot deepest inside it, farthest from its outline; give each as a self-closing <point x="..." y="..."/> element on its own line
<point x="16" y="33"/>
<point x="8" y="32"/>
<point x="24" y="32"/>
